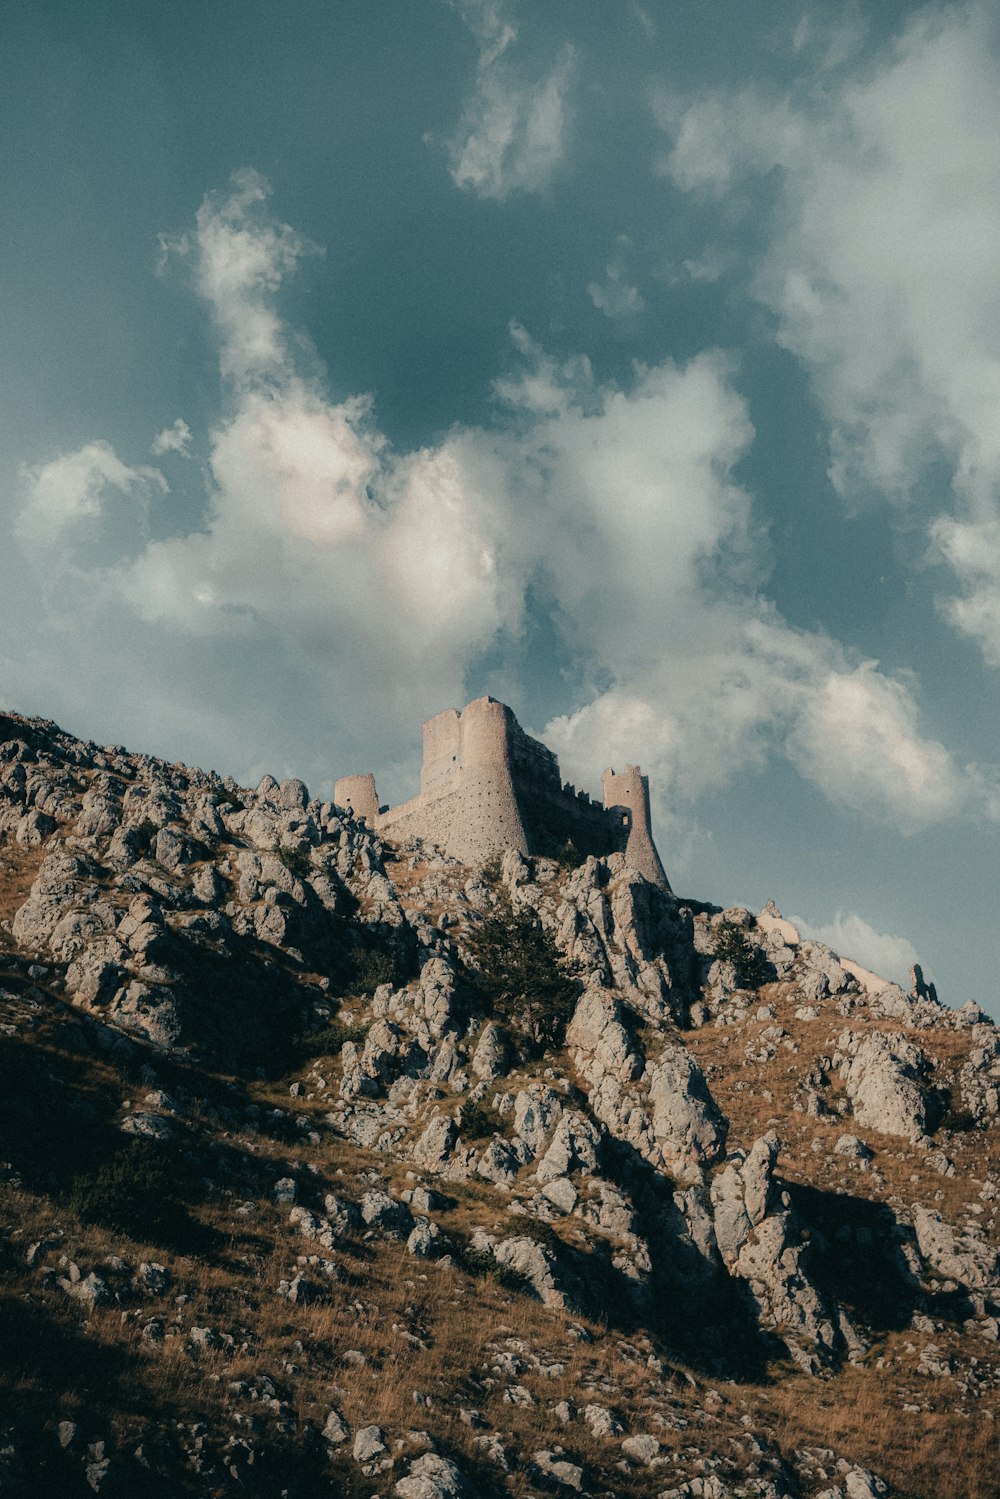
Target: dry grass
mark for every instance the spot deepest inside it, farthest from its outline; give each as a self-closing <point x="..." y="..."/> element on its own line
<point x="932" y="1454"/>
<point x="18" y="868"/>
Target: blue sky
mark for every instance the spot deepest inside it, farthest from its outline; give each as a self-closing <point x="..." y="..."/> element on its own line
<point x="635" y="363"/>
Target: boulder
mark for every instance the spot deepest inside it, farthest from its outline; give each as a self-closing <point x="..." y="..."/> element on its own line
<point x="432" y="1477"/>
<point x="884" y="1077"/>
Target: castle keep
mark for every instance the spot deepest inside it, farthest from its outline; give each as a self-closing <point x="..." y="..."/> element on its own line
<point x="486" y="786"/>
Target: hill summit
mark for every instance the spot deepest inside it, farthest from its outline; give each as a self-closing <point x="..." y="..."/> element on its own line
<point x="338" y="1164"/>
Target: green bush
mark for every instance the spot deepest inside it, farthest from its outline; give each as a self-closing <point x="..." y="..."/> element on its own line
<point x="480" y="1120"/>
<point x="525" y="1227"/>
<point x="732" y="945"/>
<point x="134" y="1191"/>
<point x="147" y="831"/>
<point x="296" y="861"/>
<point x="519" y="975"/>
<point x="569" y="855"/>
<point x="330" y="1041"/>
<point x="370" y="967"/>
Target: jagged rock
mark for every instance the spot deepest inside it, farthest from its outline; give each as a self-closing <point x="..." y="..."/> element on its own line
<point x="151" y="1012"/>
<point x="966" y="1258"/>
<point x="712" y="1487"/>
<point x="575" y="1146"/>
<point x="884" y="1079"/>
<point x="860" y="1483"/>
<point x="311" y="1226"/>
<point x="643" y="1448"/>
<point x="369" y="1443"/>
<point x="538" y="1267"/>
<point x="425" y="1240"/>
<point x="63" y="883"/>
<point x="491" y="1056"/>
<point x="664" y="1108"/>
<point x="151" y="1127"/>
<point x="688" y="1126"/>
<point x="536" y="1110"/>
<point x="604" y="1046"/>
<point x="979" y="1080"/>
<point x="554" y="1467"/>
<point x="853" y="1148"/>
<point x="335" y="1429"/>
<point x="499" y="1161"/>
<point x="436" y="1144"/>
<point x="432" y="1477"/>
<point x="383" y="1212"/>
<point x="601" y="1421"/>
<point x="561" y="1193"/>
<point x="760" y="1243"/>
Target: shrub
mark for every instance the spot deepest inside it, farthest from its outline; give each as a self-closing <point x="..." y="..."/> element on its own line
<point x="330" y="1041"/>
<point x="523" y="1226"/>
<point x="732" y="945"/>
<point x="519" y="975"/>
<point x="569" y="855"/>
<point x="296" y="861"/>
<point x="480" y="1120"/>
<point x="134" y="1191"/>
<point x="371" y="967"/>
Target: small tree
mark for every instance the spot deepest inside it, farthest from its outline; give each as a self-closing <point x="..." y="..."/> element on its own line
<point x="520" y="975"/>
<point x="732" y="945"/>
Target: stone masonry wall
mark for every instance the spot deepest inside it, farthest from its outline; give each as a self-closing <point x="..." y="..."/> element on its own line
<point x="486" y="786"/>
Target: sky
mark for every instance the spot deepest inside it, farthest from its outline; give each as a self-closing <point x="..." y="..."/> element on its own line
<point x="634" y="363"/>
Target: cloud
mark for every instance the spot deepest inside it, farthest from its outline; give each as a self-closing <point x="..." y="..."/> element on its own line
<point x="175" y="439"/>
<point x="241" y="256"/>
<point x="881" y="265"/>
<point x="850" y="936"/>
<point x="511" y="137"/>
<point x="615" y="296"/>
<point x="74" y="488"/>
<point x="333" y="574"/>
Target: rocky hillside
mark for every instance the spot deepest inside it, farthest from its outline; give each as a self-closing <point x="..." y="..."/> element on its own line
<point x="332" y="1167"/>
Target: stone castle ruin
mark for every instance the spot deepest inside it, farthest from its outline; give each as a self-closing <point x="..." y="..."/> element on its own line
<point x="486" y="786"/>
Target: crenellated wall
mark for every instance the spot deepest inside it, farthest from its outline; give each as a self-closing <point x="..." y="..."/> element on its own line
<point x="486" y="786"/>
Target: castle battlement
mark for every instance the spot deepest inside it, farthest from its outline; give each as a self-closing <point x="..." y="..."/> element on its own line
<point x="486" y="786"/>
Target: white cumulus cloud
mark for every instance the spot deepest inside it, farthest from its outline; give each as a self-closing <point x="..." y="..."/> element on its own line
<point x="881" y="267"/>
<point x="375" y="580"/>
<point x="173" y="439"/>
<point x="75" y="488"/>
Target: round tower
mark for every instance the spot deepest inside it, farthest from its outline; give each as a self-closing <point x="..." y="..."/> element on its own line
<point x="357" y="794"/>
<point x="626" y="796"/>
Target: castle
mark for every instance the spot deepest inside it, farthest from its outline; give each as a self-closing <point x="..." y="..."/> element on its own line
<point x="486" y="786"/>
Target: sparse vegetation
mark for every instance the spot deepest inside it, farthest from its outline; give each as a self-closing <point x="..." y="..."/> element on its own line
<point x="295" y="860"/>
<point x="137" y="1191"/>
<point x="732" y="945"/>
<point x="478" y="1121"/>
<point x="519" y="975"/>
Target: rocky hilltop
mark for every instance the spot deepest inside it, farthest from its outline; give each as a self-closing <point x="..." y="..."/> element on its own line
<point x="334" y="1166"/>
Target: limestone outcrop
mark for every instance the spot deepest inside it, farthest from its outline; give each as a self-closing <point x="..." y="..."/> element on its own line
<point x="385" y="1235"/>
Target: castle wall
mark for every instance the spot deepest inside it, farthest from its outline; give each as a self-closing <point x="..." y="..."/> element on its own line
<point x="487" y="786"/>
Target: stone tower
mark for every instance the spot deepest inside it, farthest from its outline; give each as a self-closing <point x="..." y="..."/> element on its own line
<point x="487" y="786"/>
